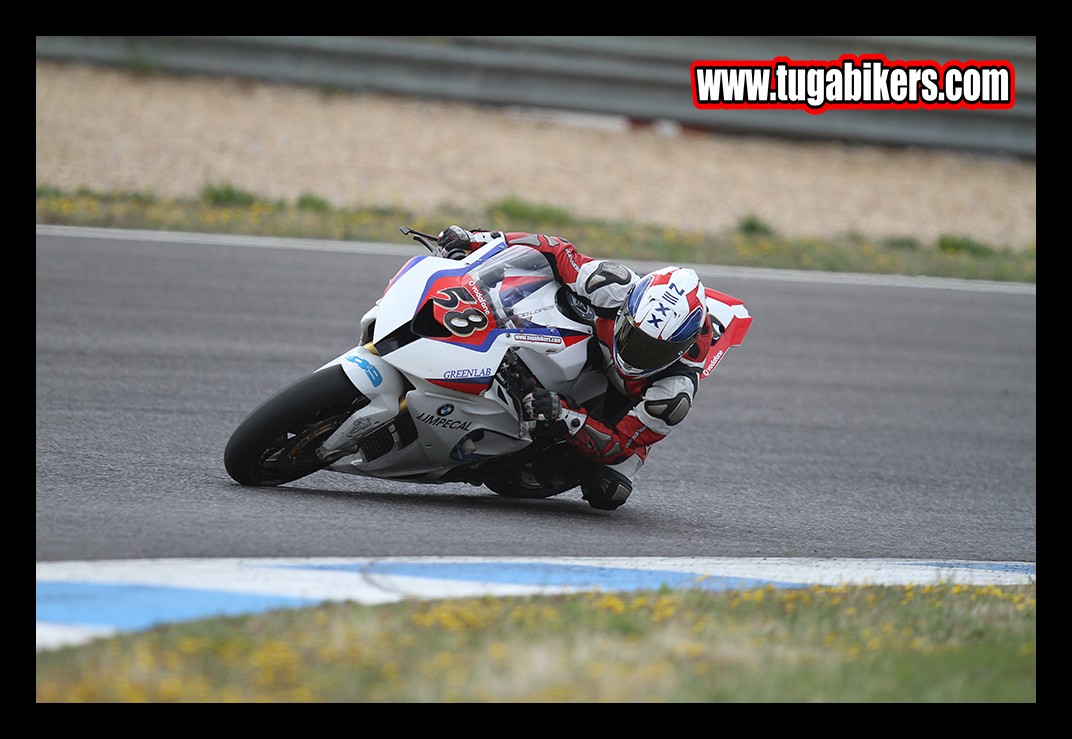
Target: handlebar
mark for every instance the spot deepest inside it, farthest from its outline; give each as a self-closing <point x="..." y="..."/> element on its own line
<point x="429" y="241"/>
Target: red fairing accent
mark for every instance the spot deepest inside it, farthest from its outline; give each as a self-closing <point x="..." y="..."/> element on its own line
<point x="473" y="387"/>
<point x="459" y="306"/>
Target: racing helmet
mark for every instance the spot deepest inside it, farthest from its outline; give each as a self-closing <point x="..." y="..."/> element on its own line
<point x="659" y="321"/>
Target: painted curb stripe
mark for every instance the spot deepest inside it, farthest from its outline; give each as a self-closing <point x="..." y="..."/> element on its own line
<point x="80" y="601"/>
<point x="558" y="575"/>
<point x="130" y="607"/>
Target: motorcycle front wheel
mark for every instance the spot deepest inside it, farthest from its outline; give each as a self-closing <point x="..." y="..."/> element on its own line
<point x="277" y="442"/>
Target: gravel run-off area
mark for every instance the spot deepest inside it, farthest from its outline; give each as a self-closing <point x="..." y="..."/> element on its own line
<point x="109" y="129"/>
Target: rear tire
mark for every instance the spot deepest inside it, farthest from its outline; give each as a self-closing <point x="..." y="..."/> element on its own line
<point x="277" y="442"/>
<point x="540" y="474"/>
<point x="521" y="483"/>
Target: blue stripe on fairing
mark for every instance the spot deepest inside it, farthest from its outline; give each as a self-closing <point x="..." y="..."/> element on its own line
<point x="1024" y="568"/>
<point x="553" y="575"/>
<point x="142" y="606"/>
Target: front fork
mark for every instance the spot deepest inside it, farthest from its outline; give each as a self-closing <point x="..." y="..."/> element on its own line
<point x="379" y="382"/>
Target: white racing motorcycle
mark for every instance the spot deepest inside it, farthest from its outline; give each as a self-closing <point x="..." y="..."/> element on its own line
<point x="431" y="394"/>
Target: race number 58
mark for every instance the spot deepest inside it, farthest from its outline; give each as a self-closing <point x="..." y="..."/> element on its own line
<point x="460" y="322"/>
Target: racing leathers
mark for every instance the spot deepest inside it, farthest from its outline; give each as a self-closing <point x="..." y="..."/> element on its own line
<point x="613" y="433"/>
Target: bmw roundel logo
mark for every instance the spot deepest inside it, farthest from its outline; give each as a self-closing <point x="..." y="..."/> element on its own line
<point x="445" y="410"/>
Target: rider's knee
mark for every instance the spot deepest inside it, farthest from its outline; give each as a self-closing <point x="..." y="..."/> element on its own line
<point x="604" y="487"/>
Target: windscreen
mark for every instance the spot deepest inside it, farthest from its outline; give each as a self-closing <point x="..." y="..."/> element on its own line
<point x="509" y="279"/>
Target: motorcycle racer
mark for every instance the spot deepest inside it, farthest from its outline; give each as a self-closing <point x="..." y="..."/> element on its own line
<point x="653" y="331"/>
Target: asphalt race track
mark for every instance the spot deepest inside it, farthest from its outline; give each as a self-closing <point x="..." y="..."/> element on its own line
<point x="862" y="418"/>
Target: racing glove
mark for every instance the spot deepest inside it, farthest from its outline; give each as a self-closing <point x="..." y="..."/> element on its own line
<point x="454" y="242"/>
<point x="555" y="416"/>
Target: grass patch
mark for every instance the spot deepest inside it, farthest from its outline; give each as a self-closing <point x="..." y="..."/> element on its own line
<point x="754" y="227"/>
<point x="513" y="209"/>
<point x="934" y="644"/>
<point x="227" y="195"/>
<point x="308" y="201"/>
<point x="224" y="208"/>
<point x="963" y="245"/>
<point x="905" y="243"/>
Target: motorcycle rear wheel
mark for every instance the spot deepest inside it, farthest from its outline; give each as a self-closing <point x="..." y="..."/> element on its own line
<point x="277" y="442"/>
<point x="520" y="482"/>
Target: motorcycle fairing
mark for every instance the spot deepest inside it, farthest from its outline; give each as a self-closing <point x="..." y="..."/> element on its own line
<point x="376" y="380"/>
<point x="495" y="299"/>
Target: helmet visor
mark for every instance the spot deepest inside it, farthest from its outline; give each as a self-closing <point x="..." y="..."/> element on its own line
<point x="641" y="353"/>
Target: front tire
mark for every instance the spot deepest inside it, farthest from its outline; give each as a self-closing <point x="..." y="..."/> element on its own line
<point x="277" y="442"/>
